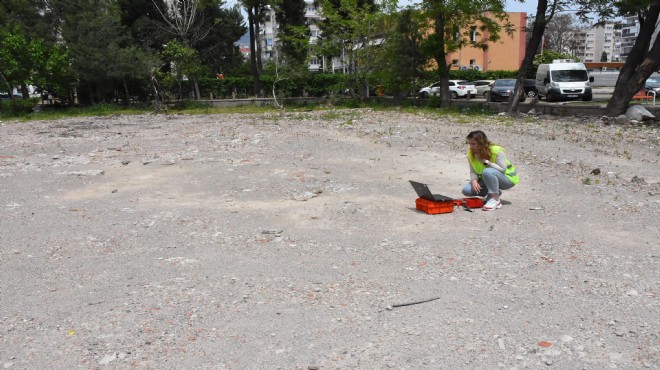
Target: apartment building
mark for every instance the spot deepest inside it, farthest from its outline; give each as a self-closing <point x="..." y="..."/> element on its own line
<point x="506" y="54"/>
<point x="593" y="42"/>
<point x="629" y="32"/>
<point x="269" y="28"/>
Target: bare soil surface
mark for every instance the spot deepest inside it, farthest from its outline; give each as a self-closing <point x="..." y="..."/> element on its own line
<point x="289" y="240"/>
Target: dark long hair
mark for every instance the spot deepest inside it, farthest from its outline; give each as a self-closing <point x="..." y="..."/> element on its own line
<point x="483" y="144"/>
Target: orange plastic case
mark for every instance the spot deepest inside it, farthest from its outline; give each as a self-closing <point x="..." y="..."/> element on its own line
<point x="473" y="202"/>
<point x="434" y="208"/>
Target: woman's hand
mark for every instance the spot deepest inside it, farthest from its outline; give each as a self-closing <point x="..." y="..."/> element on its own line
<point x="475" y="186"/>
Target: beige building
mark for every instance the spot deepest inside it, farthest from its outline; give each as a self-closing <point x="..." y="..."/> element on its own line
<point x="505" y="54"/>
<point x="595" y="41"/>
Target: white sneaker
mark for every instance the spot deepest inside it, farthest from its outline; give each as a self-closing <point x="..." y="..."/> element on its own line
<point x="492" y="204"/>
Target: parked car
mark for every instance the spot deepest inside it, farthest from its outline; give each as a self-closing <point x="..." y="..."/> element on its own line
<point x="502" y="89"/>
<point x="530" y="88"/>
<point x="457" y="88"/>
<point x="653" y="84"/>
<point x="483" y="86"/>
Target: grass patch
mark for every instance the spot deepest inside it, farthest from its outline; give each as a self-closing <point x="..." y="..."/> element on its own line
<point x="340" y="110"/>
<point x="52" y="113"/>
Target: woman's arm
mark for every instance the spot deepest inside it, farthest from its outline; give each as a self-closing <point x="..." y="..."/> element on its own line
<point x="473" y="175"/>
<point x="500" y="162"/>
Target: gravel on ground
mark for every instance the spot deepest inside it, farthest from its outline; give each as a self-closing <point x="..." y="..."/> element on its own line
<point x="290" y="240"/>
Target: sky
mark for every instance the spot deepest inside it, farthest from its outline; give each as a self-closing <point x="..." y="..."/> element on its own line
<point x="528" y="6"/>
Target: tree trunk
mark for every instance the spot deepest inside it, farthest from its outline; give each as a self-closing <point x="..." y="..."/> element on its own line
<point x="257" y="32"/>
<point x="25" y="91"/>
<point x="640" y="64"/>
<point x="198" y="95"/>
<point x="530" y="50"/>
<point x="127" y="94"/>
<point x="253" y="53"/>
<point x="440" y="57"/>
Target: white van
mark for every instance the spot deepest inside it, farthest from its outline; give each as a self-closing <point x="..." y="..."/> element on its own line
<point x="563" y="80"/>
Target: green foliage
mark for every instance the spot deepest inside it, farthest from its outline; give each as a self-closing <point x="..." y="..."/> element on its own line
<point x="293" y="35"/>
<point x="452" y="28"/>
<point x="311" y="84"/>
<point x="56" y="74"/>
<point x="547" y="57"/>
<point x="403" y="62"/>
<point x="17" y="107"/>
<point x="19" y="57"/>
<point x="351" y="28"/>
<point x="185" y="60"/>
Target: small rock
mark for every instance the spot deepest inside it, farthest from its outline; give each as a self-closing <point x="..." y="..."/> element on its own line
<point x="125" y="162"/>
<point x="108" y="358"/>
<point x="638" y="180"/>
<point x="638" y="113"/>
<point x="615" y="356"/>
<point x="304" y="196"/>
<point x="621" y="119"/>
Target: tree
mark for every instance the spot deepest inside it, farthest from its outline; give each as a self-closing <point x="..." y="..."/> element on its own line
<point x="18" y="59"/>
<point x="353" y="29"/>
<point x="603" y="57"/>
<point x="185" y="64"/>
<point x="218" y="50"/>
<point x="145" y="23"/>
<point x="28" y="34"/>
<point x="56" y="73"/>
<point x="644" y="57"/>
<point x="341" y="25"/>
<point x="451" y="21"/>
<point x="255" y="10"/>
<point x="293" y="34"/>
<point x="92" y="33"/>
<point x="560" y="32"/>
<point x="185" y="21"/>
<point x="544" y="14"/>
<point x="403" y="51"/>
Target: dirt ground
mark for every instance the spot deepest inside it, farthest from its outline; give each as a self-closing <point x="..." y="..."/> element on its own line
<point x="288" y="240"/>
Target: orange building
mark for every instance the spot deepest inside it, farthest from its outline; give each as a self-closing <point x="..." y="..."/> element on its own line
<point x="506" y="54"/>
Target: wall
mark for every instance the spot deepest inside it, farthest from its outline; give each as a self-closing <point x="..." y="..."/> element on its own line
<point x="505" y="54"/>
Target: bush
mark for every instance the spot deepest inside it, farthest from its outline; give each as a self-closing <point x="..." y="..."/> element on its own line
<point x="18" y="107"/>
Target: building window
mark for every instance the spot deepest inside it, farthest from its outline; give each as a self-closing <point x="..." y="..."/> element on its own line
<point x="454" y="62"/>
<point x="473" y="35"/>
<point x="473" y="62"/>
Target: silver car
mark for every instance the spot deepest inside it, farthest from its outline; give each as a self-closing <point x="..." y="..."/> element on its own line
<point x="483" y="86"/>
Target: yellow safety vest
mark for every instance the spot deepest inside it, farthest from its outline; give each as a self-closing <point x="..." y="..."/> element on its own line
<point x="479" y="167"/>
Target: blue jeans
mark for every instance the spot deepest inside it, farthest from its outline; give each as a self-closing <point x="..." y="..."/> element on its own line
<point x="491" y="182"/>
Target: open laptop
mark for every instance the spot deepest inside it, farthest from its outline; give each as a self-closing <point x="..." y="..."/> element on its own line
<point x="424" y="192"/>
